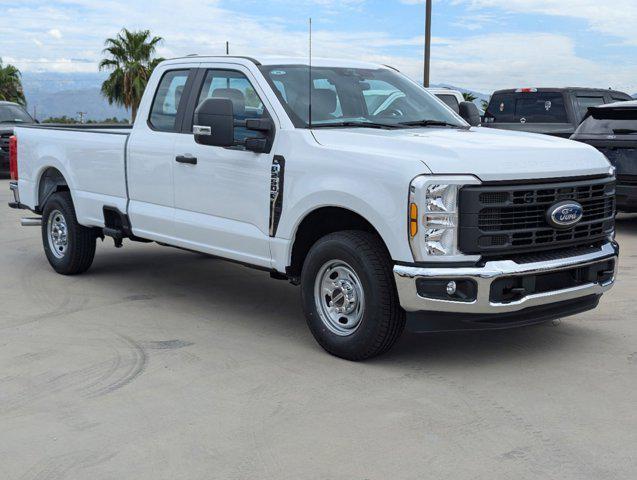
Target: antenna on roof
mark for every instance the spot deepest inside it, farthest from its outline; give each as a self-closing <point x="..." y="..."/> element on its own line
<point x="227" y="48"/>
<point x="310" y="80"/>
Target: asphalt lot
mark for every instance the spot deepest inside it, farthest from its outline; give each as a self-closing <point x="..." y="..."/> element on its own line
<point x="163" y="364"/>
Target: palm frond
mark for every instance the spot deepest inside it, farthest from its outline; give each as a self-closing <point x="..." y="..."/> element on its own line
<point x="130" y="56"/>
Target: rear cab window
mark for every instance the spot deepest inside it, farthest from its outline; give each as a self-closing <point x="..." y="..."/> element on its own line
<point x="584" y="102"/>
<point x="450" y="101"/>
<point x="168" y="99"/>
<point x="523" y="107"/>
<point x="609" y="121"/>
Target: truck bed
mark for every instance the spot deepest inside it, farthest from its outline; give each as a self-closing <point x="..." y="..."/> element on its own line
<point x="93" y="158"/>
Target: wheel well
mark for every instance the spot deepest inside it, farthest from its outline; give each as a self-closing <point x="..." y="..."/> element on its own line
<point x="51" y="181"/>
<point x="316" y="225"/>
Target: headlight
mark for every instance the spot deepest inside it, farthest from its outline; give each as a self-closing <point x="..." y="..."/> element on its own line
<point x="433" y="216"/>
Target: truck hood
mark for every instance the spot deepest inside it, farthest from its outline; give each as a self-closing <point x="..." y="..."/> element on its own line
<point x="489" y="154"/>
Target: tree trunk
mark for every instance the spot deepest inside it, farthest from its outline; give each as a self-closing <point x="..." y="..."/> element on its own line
<point x="134" y="113"/>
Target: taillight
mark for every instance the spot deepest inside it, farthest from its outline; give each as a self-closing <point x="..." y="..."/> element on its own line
<point x="13" y="157"/>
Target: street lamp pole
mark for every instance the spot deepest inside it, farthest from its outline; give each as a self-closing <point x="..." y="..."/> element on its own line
<point x="427" y="73"/>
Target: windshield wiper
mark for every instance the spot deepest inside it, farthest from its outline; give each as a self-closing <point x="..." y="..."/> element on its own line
<point x="12" y="121"/>
<point x="430" y="123"/>
<point x="357" y="125"/>
<point x="624" y="131"/>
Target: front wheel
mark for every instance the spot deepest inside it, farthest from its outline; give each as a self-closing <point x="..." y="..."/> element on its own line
<point x="69" y="246"/>
<point x="349" y="296"/>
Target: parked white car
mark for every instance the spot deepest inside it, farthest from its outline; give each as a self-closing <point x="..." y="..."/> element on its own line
<point x="380" y="208"/>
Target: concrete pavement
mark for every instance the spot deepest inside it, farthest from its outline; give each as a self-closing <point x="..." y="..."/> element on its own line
<point x="163" y="364"/>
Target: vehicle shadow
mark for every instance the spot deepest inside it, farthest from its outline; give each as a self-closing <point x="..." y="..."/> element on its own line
<point x="220" y="290"/>
<point x="626" y="223"/>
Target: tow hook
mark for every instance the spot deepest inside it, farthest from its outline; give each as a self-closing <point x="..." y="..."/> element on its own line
<point x="31" y="222"/>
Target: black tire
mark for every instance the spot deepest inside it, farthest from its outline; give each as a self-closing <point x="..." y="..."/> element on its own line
<point x="79" y="252"/>
<point x="383" y="320"/>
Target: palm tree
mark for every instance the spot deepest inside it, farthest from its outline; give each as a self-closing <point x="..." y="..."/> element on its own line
<point x="469" y="97"/>
<point x="131" y="57"/>
<point x="11" y="85"/>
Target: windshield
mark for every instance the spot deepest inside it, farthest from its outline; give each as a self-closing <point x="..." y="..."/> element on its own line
<point x="609" y="121"/>
<point x="356" y="97"/>
<point x="14" y="114"/>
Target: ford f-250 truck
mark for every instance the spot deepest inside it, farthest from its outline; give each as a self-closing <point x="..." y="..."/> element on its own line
<point x="379" y="208"/>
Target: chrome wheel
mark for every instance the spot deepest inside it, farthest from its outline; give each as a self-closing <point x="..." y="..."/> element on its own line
<point x="339" y="297"/>
<point x="57" y="233"/>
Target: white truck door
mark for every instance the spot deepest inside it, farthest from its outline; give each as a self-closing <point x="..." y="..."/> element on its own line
<point x="151" y="155"/>
<point x="222" y="201"/>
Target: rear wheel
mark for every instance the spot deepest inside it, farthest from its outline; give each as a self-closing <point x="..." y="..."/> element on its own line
<point x="349" y="295"/>
<point x="69" y="246"/>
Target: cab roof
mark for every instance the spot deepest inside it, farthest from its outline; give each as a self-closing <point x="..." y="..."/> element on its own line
<point x="280" y="60"/>
<point x="558" y="89"/>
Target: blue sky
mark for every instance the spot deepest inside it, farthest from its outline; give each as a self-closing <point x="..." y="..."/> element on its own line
<point x="478" y="44"/>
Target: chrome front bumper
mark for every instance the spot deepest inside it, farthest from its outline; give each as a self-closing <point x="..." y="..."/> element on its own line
<point x="407" y="276"/>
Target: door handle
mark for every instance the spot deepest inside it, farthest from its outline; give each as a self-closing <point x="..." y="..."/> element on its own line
<point x="185" y="159"/>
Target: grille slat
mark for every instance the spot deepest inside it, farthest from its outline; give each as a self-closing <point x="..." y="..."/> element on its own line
<point x="499" y="219"/>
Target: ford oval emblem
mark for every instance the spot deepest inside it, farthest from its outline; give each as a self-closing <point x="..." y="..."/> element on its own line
<point x="565" y="214"/>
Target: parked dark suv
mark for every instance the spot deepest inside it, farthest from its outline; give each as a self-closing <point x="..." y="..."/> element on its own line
<point x="11" y="114"/>
<point x="552" y="111"/>
<point x="612" y="129"/>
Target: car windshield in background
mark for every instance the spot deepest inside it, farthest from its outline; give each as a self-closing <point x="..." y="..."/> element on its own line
<point x="14" y="114"/>
<point x="351" y="97"/>
<point x="609" y="121"/>
<point x="537" y="107"/>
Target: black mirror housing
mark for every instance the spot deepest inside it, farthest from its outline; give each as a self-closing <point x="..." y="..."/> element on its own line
<point x="470" y="113"/>
<point x="214" y="123"/>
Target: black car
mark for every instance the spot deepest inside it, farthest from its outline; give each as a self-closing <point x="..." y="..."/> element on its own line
<point x="551" y="111"/>
<point x="11" y="114"/>
<point x="612" y="129"/>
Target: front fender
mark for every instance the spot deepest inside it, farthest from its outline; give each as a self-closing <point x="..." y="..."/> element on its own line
<point x="389" y="218"/>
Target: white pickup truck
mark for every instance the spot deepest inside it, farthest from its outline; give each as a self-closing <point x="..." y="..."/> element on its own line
<point x="382" y="203"/>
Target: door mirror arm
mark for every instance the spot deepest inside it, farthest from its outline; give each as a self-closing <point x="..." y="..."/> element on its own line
<point x="256" y="144"/>
<point x="259" y="124"/>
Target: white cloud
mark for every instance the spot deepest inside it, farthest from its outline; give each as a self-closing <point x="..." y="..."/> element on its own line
<point x="617" y="18"/>
<point x="481" y="62"/>
<point x="55" y="33"/>
<point x="493" y="61"/>
<point x="59" y="64"/>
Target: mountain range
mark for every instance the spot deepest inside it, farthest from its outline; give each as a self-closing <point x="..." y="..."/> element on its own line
<point x="51" y="94"/>
<point x="67" y="94"/>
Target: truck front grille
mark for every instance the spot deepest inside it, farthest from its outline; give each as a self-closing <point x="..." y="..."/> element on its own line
<point x="497" y="219"/>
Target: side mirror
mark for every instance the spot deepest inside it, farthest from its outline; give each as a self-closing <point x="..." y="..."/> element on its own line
<point x="214" y="123"/>
<point x="469" y="111"/>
